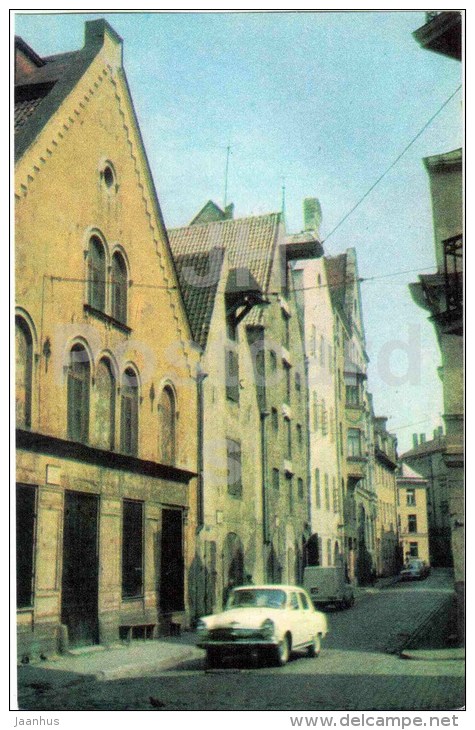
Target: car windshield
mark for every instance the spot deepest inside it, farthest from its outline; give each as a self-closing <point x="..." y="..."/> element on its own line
<point x="256" y="598"/>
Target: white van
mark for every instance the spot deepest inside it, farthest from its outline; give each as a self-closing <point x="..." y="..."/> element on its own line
<point x="328" y="586"/>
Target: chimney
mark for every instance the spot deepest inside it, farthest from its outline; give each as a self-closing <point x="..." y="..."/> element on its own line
<point x="422" y="438"/>
<point x="440" y="431"/>
<point x="312" y="215"/>
<point x="414" y="440"/>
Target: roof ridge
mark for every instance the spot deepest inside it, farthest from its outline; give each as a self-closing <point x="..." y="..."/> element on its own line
<point x="274" y="214"/>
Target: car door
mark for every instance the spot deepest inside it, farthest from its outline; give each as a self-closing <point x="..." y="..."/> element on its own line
<point x="309" y="624"/>
<point x="294" y="613"/>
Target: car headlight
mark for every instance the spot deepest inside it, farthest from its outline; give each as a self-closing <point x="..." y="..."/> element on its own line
<point x="267" y="628"/>
<point x="201" y="627"/>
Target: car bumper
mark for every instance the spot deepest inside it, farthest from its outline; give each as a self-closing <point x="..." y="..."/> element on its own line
<point x="238" y="644"/>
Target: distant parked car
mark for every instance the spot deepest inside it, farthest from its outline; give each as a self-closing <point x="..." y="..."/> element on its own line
<point x="415" y="569"/>
<point x="270" y="619"/>
<point x="327" y="585"/>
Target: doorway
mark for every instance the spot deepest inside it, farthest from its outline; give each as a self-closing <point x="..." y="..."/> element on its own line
<point x="80" y="584"/>
<point x="172" y="573"/>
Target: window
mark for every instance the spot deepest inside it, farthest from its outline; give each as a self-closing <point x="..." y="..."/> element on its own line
<point x="318" y="495"/>
<point x="322" y="351"/>
<point x="78" y="394"/>
<point x="275" y="478"/>
<point x="273" y="360"/>
<point x="324" y="418"/>
<point x="300" y="489"/>
<point x="97" y="274"/>
<point x="23" y="373"/>
<point x="25" y="543"/>
<point x="298" y="384"/>
<point x="132" y="548"/>
<point x="288" y="386"/>
<point x="327" y="493"/>
<point x="410" y="497"/>
<point x="354" y="442"/>
<point x="329" y="552"/>
<point x="275" y="419"/>
<point x="412" y="523"/>
<point x="341" y="438"/>
<point x="414" y="549"/>
<point x="129" y="413"/>
<point x="288" y="429"/>
<point x="286" y="329"/>
<point x="299" y="435"/>
<point x="352" y="395"/>
<point x="315" y="411"/>
<point x="167" y="426"/>
<point x="232" y="375"/>
<point x="336" y="501"/>
<point x="290" y="492"/>
<point x="234" y="468"/>
<point x="104" y="420"/>
<point x="119" y="288"/>
<point x="304" y="601"/>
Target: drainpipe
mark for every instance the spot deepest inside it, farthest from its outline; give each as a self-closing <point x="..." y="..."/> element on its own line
<point x="200" y="377"/>
<point x="265" y="525"/>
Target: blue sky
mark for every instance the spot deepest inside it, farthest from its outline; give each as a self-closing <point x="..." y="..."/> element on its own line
<point x="328" y="100"/>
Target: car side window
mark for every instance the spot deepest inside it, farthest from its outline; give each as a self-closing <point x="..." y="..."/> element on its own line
<point x="294" y="602"/>
<point x="304" y="601"/>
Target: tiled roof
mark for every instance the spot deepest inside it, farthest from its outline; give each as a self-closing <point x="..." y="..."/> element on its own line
<point x="408" y="474"/>
<point x="199" y="275"/>
<point x="426" y="447"/>
<point x="42" y="84"/>
<point x="249" y="244"/>
<point x="24" y="110"/>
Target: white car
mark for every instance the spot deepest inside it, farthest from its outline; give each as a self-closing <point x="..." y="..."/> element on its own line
<point x="270" y="619"/>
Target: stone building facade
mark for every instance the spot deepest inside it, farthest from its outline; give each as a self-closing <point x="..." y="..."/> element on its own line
<point x="427" y="458"/>
<point x="105" y="400"/>
<point x="237" y="287"/>
<point x="412" y="514"/>
<point x="326" y="545"/>
<point x="441" y="294"/>
<point x="354" y="417"/>
<point x="388" y="557"/>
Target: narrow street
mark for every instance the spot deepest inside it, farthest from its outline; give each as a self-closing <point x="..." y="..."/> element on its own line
<point x="353" y="672"/>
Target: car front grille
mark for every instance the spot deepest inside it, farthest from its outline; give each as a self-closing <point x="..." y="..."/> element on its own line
<point x="230" y="634"/>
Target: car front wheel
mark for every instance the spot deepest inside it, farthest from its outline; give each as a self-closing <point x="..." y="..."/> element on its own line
<point x="315" y="647"/>
<point x="213" y="659"/>
<point x="283" y="651"/>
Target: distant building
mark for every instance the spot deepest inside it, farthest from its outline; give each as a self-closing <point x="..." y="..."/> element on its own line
<point x="412" y="514"/>
<point x="441" y="294"/>
<point x="326" y="546"/>
<point x="254" y="514"/>
<point x="105" y="399"/>
<point x="427" y="458"/>
<point x="388" y="556"/>
<point x="353" y="417"/>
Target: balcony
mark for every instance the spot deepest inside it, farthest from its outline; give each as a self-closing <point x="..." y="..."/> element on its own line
<point x="442" y="293"/>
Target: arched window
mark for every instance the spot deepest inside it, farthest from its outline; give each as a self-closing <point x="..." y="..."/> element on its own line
<point x="129" y="413"/>
<point x="23" y="372"/>
<point x="119" y="288"/>
<point x="105" y="406"/>
<point x="167" y="426"/>
<point x="78" y="394"/>
<point x="97" y="274"/>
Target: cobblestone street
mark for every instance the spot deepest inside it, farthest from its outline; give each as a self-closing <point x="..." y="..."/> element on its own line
<point x="354" y="671"/>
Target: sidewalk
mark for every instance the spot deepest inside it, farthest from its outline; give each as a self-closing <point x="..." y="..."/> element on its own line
<point x="117" y="662"/>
